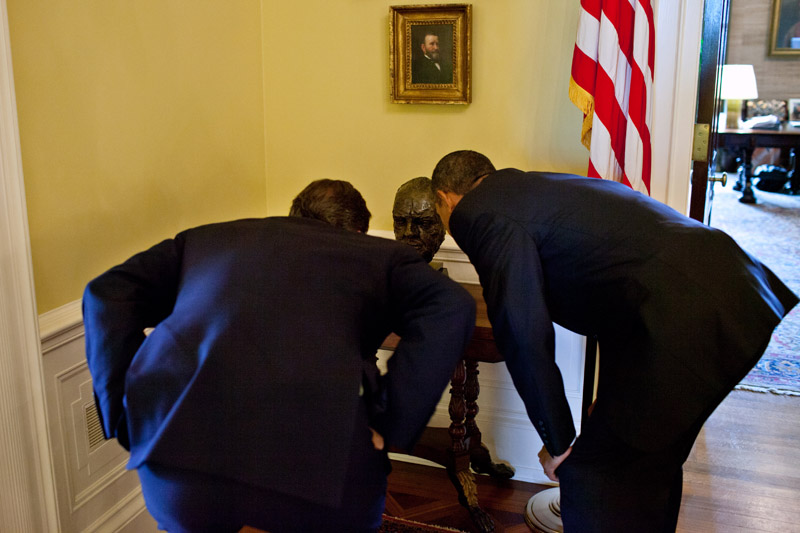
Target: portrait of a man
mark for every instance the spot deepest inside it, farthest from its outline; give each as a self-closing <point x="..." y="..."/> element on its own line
<point x="430" y="54"/>
<point x="432" y="50"/>
<point x="791" y="36"/>
<point x="794" y="111"/>
<point x="785" y="38"/>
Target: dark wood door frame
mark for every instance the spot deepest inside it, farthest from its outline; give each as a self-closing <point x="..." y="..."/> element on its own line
<point x="712" y="56"/>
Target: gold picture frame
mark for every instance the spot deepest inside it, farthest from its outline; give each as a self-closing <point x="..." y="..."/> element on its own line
<point x="793" y="108"/>
<point x="430" y="54"/>
<point x="784" y="38"/>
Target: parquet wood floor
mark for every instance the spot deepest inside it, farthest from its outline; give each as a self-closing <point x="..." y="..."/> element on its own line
<point x="743" y="475"/>
<point x="425" y="494"/>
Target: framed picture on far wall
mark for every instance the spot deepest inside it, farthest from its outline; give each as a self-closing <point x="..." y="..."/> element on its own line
<point x="794" y="111"/>
<point x="429" y="53"/>
<point x="785" y="34"/>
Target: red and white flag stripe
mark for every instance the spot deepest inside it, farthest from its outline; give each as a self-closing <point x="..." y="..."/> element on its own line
<point x="611" y="82"/>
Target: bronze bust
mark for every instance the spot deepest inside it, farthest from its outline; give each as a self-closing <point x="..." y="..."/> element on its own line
<point x="416" y="221"/>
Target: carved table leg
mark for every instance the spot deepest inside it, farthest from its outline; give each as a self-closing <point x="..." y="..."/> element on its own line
<point x="458" y="468"/>
<point x="458" y="410"/>
<point x="471" y="390"/>
<point x="480" y="458"/>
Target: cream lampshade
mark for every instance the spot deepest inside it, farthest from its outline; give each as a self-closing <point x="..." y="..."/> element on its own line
<point x="738" y="83"/>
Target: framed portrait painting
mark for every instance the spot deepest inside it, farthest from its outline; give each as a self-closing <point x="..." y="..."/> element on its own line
<point x="794" y="111"/>
<point x="429" y="53"/>
<point x="785" y="33"/>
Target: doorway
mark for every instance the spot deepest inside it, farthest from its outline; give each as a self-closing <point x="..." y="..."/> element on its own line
<point x="768" y="228"/>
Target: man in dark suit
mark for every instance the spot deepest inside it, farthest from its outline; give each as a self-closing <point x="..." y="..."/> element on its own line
<point x="255" y="400"/>
<point x="428" y="67"/>
<point x="680" y="312"/>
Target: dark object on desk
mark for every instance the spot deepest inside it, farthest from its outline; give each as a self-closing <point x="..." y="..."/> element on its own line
<point x="771" y="178"/>
<point x="744" y="142"/>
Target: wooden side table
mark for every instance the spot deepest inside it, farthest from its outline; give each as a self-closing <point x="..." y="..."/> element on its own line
<point x="459" y="446"/>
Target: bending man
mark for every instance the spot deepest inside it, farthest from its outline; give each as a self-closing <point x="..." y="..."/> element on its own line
<point x="251" y="401"/>
<point x="680" y="312"/>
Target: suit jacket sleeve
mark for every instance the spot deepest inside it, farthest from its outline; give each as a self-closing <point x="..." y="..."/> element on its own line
<point x="434" y="317"/>
<point x="508" y="264"/>
<point x="117" y="307"/>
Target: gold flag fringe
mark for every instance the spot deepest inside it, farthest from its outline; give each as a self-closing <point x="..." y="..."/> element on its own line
<point x="585" y="102"/>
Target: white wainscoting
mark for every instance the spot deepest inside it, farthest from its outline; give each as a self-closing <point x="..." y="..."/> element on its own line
<point x="94" y="491"/>
<point x="504" y="424"/>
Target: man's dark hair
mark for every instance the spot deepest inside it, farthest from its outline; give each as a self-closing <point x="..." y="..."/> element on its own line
<point x="336" y="202"/>
<point x="457" y="171"/>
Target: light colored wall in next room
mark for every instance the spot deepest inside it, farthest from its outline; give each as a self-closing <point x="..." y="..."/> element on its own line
<point x="748" y="43"/>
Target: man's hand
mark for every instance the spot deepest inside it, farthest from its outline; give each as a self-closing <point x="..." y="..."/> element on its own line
<point x="377" y="439"/>
<point x="550" y="463"/>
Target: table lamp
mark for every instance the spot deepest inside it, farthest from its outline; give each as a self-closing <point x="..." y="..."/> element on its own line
<point x="738" y="83"/>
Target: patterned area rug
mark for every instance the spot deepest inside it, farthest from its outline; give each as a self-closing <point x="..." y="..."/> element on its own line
<point x="392" y="524"/>
<point x="770" y="231"/>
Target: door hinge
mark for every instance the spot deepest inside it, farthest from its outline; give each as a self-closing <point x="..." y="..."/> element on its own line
<point x="700" y="142"/>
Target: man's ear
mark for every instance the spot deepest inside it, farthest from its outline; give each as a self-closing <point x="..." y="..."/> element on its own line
<point x="450" y="199"/>
<point x="442" y="196"/>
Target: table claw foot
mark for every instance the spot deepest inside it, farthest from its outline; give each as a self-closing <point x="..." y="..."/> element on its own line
<point x="481" y="462"/>
<point x="482" y="520"/>
<point x="464" y="481"/>
<point x="495" y="470"/>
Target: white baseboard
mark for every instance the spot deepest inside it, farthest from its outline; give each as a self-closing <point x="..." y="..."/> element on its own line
<point x="129" y="515"/>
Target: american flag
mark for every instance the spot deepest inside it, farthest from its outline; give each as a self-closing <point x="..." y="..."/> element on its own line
<point x="611" y="82"/>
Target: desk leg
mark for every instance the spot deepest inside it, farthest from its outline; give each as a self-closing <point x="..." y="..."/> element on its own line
<point x="459" y="458"/>
<point x="458" y="410"/>
<point x="738" y="185"/>
<point x="747" y="165"/>
<point x="480" y="458"/>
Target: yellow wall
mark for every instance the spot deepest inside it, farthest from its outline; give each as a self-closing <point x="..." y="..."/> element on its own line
<point x="137" y="119"/>
<point x="327" y="98"/>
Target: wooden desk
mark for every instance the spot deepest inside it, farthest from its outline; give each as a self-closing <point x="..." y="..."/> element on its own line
<point x="745" y="141"/>
<point x="459" y="446"/>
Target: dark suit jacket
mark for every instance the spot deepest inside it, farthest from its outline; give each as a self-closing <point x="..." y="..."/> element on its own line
<point x="264" y="332"/>
<point x="680" y="311"/>
<point x="423" y="70"/>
